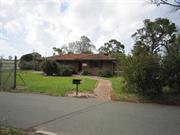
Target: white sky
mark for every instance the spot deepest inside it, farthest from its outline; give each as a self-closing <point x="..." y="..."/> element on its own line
<point x="27" y="25"/>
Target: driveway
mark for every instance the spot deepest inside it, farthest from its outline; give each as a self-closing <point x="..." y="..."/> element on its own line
<point x="102" y="92"/>
<point x="71" y="116"/>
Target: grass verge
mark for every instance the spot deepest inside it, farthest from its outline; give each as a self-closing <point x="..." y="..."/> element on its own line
<point x="120" y="93"/>
<point x="12" y="131"/>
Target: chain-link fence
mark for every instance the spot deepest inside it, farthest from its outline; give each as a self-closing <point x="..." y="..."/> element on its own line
<point x="7" y="74"/>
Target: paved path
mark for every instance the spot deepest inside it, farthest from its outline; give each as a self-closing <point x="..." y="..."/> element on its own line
<point x="71" y="116"/>
<point x="103" y="89"/>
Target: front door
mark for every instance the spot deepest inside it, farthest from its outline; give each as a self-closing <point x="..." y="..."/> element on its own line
<point x="80" y="67"/>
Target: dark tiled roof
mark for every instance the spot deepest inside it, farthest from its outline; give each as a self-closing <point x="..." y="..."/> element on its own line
<point x="81" y="57"/>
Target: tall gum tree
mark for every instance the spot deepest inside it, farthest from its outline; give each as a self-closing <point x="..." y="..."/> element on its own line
<point x="156" y="35"/>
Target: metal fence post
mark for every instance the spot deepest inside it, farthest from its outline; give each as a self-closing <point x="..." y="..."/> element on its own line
<point x="0" y="72"/>
<point x="15" y="68"/>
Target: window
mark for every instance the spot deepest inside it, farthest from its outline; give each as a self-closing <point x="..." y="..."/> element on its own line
<point x="97" y="64"/>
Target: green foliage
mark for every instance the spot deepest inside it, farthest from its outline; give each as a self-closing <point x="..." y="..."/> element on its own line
<point x="143" y="74"/>
<point x="171" y="71"/>
<point x="120" y="57"/>
<point x="116" y="50"/>
<point x="111" y="47"/>
<point x="154" y="64"/>
<point x="106" y="73"/>
<point x="27" y="65"/>
<point x="171" y="67"/>
<point x="58" y="50"/>
<point x="30" y="61"/>
<point x="30" y="56"/>
<point x="140" y="49"/>
<point x="27" y="57"/>
<point x="65" y="70"/>
<point x="121" y="93"/>
<point x="12" y="131"/>
<point x="85" y="73"/>
<point x="53" y="68"/>
<point x="156" y="34"/>
<point x="49" y="67"/>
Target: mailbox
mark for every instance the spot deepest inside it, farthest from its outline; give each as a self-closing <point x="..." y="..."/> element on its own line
<point x="76" y="81"/>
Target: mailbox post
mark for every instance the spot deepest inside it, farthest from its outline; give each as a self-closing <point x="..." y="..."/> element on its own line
<point x="77" y="82"/>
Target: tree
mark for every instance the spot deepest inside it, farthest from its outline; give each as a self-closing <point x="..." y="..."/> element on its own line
<point x="140" y="49"/>
<point x="156" y="35"/>
<point x="30" y="56"/>
<point x="30" y="61"/>
<point x="58" y="50"/>
<point x="83" y="45"/>
<point x="49" y="67"/>
<point x="111" y="47"/>
<point x="175" y="46"/>
<point x="171" y="66"/>
<point x="142" y="70"/>
<point x="142" y="74"/>
<point x="175" y="4"/>
<point x="69" y="48"/>
<point x="147" y="71"/>
<point x="116" y="50"/>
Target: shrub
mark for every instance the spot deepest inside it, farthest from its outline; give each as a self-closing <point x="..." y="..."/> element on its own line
<point x="85" y="72"/>
<point x="53" y="68"/>
<point x="143" y="74"/>
<point x="30" y="65"/>
<point x="64" y="70"/>
<point x="49" y="67"/>
<point x="26" y="65"/>
<point x="106" y="73"/>
<point x="171" y="71"/>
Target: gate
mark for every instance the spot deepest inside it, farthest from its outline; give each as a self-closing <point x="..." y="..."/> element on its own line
<point x="7" y="74"/>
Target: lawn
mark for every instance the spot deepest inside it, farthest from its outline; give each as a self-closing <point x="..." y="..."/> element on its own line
<point x="119" y="90"/>
<point x="53" y="85"/>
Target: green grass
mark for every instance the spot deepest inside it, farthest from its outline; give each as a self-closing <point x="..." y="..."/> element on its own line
<point x="121" y="93"/>
<point x="117" y="84"/>
<point x="53" y="85"/>
<point x="12" y="131"/>
<point x="119" y="90"/>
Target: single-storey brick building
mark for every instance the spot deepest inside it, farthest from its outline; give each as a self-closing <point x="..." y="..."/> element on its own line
<point x="92" y="63"/>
